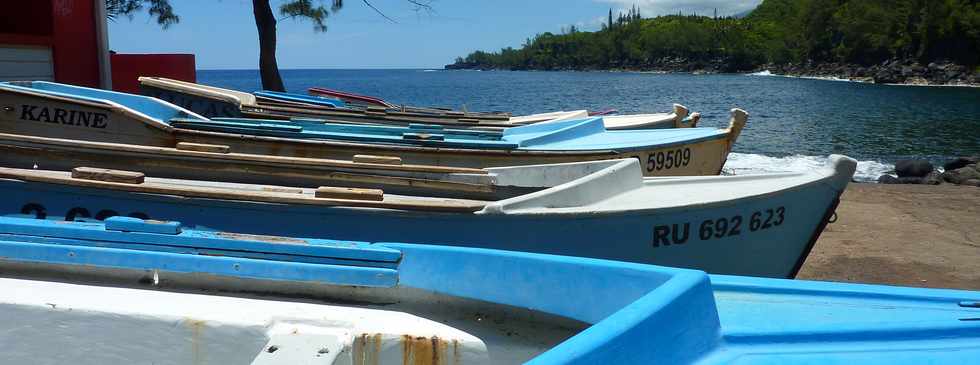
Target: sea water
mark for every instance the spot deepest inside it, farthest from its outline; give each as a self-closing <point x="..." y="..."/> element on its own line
<point x="794" y="124"/>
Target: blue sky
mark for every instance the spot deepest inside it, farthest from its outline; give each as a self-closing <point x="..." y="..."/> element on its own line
<point x="222" y="32"/>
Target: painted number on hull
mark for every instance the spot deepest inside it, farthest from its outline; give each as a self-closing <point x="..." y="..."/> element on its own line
<point x="40" y="212"/>
<point x="666" y="160"/>
<point x="710" y="229"/>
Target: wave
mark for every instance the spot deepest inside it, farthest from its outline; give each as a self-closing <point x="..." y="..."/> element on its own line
<point x="747" y="163"/>
<point x="825" y="78"/>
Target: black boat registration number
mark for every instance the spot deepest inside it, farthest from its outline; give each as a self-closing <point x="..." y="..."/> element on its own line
<point x="666" y="160"/>
<point x="40" y="212"/>
<point x="710" y="229"/>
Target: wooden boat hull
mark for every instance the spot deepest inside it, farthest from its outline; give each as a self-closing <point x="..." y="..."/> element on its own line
<point x="36" y="114"/>
<point x="764" y="234"/>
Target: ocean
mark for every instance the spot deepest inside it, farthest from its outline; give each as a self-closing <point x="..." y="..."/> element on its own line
<point x="794" y="124"/>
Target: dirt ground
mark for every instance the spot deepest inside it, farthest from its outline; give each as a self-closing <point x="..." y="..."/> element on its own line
<point x="912" y="235"/>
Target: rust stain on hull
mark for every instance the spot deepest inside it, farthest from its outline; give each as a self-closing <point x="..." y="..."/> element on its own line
<point x="416" y="350"/>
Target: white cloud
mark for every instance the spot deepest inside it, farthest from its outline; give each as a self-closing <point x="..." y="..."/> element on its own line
<point x="651" y="8"/>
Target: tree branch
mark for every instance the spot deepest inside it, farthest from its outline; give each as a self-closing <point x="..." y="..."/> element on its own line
<point x="376" y="10"/>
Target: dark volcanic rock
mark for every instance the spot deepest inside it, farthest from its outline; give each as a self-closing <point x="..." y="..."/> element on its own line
<point x="888" y="179"/>
<point x="913" y="168"/>
<point x="934" y="178"/>
<point x="960" y="162"/>
<point x="962" y="174"/>
<point x="886" y="76"/>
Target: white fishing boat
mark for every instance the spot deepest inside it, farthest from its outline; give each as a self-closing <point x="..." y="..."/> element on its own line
<point x="759" y="225"/>
<point x="677" y="119"/>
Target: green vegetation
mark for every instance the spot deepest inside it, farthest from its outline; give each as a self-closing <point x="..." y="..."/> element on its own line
<point x="863" y="32"/>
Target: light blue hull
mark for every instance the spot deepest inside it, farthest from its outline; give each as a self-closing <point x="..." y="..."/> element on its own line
<point x="631" y="313"/>
<point x="763" y="236"/>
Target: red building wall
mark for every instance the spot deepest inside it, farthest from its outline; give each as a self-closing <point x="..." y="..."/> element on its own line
<point x="127" y="68"/>
<point x="66" y="26"/>
<point x="76" y="50"/>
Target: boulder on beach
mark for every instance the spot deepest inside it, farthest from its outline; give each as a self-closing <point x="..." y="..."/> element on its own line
<point x="960" y="162"/>
<point x="913" y="168"/>
<point x="888" y="179"/>
<point x="962" y="174"/>
<point x="934" y="178"/>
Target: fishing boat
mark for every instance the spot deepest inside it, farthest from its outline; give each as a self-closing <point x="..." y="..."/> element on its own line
<point x="761" y="225"/>
<point x="677" y="119"/>
<point x="138" y="291"/>
<point x="214" y="102"/>
<point x="65" y="112"/>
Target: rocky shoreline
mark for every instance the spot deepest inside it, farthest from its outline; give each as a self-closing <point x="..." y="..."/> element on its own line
<point x="960" y="171"/>
<point x="895" y="71"/>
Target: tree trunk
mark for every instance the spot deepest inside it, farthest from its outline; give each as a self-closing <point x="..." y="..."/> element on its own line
<point x="265" y="21"/>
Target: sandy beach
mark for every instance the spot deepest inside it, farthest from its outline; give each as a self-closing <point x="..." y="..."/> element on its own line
<point x="914" y="235"/>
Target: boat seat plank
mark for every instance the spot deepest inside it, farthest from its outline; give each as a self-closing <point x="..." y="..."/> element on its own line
<point x="329" y="192"/>
<point x="301" y="161"/>
<point x="217" y="191"/>
<point x="388" y="160"/>
<point x="119" y="176"/>
<point x="203" y="147"/>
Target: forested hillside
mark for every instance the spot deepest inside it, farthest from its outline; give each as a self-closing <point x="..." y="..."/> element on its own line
<point x="860" y="32"/>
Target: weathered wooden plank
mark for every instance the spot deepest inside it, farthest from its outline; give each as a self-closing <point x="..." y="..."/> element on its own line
<point x="119" y="176"/>
<point x="330" y="192"/>
<point x="387" y="160"/>
<point x="231" y="157"/>
<point x="231" y="193"/>
<point x="202" y="147"/>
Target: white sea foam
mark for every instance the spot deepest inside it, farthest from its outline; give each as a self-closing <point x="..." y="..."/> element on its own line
<point x="747" y="163"/>
<point x="825" y="78"/>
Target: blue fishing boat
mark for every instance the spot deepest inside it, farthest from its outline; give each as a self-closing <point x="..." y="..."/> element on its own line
<point x="51" y="110"/>
<point x="761" y="225"/>
<point x="290" y="98"/>
<point x="216" y="102"/>
<point x="144" y="291"/>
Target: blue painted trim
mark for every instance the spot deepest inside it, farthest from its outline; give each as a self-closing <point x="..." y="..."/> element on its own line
<point x="299" y="98"/>
<point x="129" y="224"/>
<point x="202" y="240"/>
<point x="212" y="265"/>
<point x="154" y="108"/>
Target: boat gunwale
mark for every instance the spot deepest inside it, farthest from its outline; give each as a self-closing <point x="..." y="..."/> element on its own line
<point x="236" y="156"/>
<point x="408" y="203"/>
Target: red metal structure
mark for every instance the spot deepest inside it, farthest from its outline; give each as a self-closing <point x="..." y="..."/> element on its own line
<point x="59" y="39"/>
<point x="66" y="41"/>
<point x="127" y="68"/>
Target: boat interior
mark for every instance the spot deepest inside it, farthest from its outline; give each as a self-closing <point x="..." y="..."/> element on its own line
<point x="357" y="302"/>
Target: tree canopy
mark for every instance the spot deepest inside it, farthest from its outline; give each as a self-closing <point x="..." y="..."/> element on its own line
<point x="778" y="31"/>
<point x="314" y="11"/>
